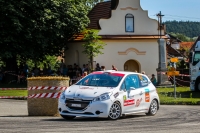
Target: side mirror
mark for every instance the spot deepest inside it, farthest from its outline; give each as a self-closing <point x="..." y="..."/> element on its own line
<point x="132" y="88"/>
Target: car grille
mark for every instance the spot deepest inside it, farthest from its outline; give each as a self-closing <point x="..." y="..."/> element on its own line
<point x="82" y="104"/>
<point x="85" y="113"/>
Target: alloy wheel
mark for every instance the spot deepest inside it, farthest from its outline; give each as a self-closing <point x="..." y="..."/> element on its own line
<point x="154" y="107"/>
<point x="115" y="111"/>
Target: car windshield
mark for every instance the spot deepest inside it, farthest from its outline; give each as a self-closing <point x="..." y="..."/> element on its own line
<point x="101" y="79"/>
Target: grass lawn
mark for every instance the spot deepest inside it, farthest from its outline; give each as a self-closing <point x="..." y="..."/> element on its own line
<point x="13" y="93"/>
<point x="183" y="96"/>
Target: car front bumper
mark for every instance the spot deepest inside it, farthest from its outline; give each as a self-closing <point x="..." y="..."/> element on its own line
<point x="94" y="109"/>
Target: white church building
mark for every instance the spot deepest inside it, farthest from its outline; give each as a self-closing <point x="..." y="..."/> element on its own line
<point x="131" y="37"/>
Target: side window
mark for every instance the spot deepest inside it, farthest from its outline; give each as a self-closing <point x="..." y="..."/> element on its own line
<point x="143" y="81"/>
<point x="131" y="81"/>
<point x="135" y="81"/>
<point x="123" y="86"/>
<point x="128" y="83"/>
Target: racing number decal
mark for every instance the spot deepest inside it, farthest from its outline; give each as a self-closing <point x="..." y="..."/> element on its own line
<point x="147" y="96"/>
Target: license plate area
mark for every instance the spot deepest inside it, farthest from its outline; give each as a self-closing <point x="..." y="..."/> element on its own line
<point x="75" y="105"/>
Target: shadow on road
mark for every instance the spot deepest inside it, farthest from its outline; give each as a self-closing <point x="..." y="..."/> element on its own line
<point x="15" y="116"/>
<point x="83" y="119"/>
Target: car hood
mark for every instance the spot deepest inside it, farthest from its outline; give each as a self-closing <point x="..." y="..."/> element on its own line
<point x="86" y="92"/>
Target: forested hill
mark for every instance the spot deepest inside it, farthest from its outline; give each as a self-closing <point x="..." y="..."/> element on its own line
<point x="187" y="28"/>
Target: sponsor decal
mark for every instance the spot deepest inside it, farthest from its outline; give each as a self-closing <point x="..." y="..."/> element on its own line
<point x="138" y="102"/>
<point x="147" y="96"/>
<point x="86" y="88"/>
<point x="140" y="77"/>
<point x="86" y="81"/>
<point x="144" y="82"/>
<point x="110" y="87"/>
<point x="116" y="94"/>
<point x="124" y="97"/>
<point x="129" y="102"/>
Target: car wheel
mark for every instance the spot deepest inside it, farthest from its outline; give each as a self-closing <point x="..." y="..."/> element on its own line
<point x="198" y="86"/>
<point x="115" y="111"/>
<point x="67" y="117"/>
<point x="153" y="108"/>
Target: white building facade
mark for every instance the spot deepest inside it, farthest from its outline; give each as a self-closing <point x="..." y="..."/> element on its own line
<point x="131" y="38"/>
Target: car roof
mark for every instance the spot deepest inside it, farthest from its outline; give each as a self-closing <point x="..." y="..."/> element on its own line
<point x="121" y="72"/>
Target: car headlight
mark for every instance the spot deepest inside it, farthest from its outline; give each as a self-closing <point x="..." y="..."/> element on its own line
<point x="102" y="97"/>
<point x="62" y="96"/>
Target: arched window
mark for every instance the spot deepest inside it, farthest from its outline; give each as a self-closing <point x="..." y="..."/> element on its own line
<point x="129" y="20"/>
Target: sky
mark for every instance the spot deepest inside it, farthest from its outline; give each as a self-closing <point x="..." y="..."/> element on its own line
<point x="180" y="10"/>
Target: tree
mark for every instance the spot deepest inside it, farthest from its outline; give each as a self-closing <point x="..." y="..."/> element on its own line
<point x="187" y="28"/>
<point x="90" y="3"/>
<point x="33" y="29"/>
<point x="182" y="37"/>
<point x="42" y="26"/>
<point x="93" y="45"/>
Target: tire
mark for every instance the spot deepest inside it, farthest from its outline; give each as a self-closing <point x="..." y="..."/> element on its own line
<point x="153" y="108"/>
<point x="115" y="111"/>
<point x="198" y="86"/>
<point x="67" y="117"/>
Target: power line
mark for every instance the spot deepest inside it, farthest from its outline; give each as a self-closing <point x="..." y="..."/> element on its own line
<point x="181" y="19"/>
<point x="181" y="16"/>
<point x="178" y="17"/>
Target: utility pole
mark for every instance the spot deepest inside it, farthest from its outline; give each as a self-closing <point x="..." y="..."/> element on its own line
<point x="159" y="15"/>
<point x="162" y="67"/>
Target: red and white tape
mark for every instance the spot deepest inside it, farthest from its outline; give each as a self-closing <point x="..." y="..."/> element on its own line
<point x="184" y="75"/>
<point x="3" y="89"/>
<point x="47" y="88"/>
<point x="164" y="73"/>
<point x="183" y="80"/>
<point x="9" y="72"/>
<point x="12" y="74"/>
<point x="176" y="82"/>
<point x="45" y="95"/>
<point x="41" y="95"/>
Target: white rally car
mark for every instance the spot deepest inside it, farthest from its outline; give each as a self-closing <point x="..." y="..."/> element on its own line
<point x="109" y="94"/>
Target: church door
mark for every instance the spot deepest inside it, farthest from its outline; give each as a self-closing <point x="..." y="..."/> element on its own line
<point x="131" y="66"/>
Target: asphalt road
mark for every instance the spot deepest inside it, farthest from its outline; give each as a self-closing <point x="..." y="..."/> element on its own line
<point x="169" y="119"/>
